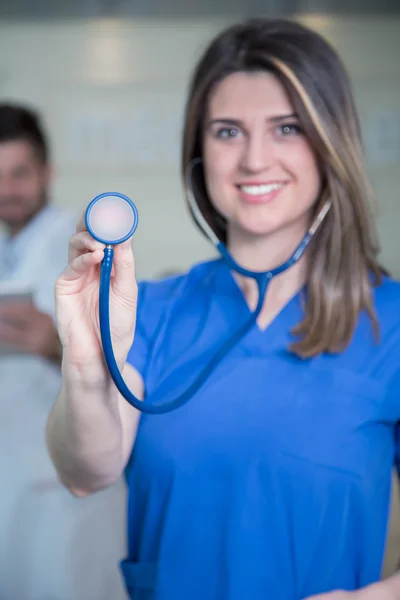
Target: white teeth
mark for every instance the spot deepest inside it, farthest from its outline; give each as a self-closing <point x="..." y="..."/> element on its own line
<point x="260" y="190"/>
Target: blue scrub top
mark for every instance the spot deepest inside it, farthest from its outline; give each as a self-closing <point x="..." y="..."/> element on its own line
<point x="274" y="481"/>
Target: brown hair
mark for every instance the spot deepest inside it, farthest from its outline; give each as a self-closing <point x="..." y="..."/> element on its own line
<point x="343" y="263"/>
<point x="19" y="122"/>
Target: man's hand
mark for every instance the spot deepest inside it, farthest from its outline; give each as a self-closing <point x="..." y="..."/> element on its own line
<point x="383" y="590"/>
<point x="25" y="328"/>
<point x="337" y="595"/>
<point x="341" y="595"/>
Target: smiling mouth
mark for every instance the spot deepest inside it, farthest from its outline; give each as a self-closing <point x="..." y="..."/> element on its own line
<point x="261" y="189"/>
<point x="260" y="193"/>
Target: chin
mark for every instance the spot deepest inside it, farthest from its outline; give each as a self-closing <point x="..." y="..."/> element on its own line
<point x="264" y="227"/>
<point x="259" y="230"/>
<point x="12" y="219"/>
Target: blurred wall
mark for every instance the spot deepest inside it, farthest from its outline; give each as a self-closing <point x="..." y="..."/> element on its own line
<point x="113" y="92"/>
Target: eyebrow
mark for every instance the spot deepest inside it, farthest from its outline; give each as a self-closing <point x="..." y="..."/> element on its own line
<point x="236" y="122"/>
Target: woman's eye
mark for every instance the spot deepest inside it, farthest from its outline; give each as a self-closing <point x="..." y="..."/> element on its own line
<point x="227" y="133"/>
<point x="289" y="129"/>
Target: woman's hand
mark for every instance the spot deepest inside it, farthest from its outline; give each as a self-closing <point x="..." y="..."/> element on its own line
<point x="77" y="300"/>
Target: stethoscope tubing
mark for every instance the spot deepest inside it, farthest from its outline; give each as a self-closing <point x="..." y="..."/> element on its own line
<point x="262" y="279"/>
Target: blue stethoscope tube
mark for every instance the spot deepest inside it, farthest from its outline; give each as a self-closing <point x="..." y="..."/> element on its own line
<point x="262" y="279"/>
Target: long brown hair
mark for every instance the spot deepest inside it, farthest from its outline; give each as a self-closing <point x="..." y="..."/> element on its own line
<point x="343" y="264"/>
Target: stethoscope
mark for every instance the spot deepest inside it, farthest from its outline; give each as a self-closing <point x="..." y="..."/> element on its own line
<point x="112" y="218"/>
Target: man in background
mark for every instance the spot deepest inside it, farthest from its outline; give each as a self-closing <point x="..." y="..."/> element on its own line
<point x="53" y="546"/>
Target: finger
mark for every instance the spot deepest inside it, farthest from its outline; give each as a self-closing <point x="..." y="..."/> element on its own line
<point x="82" y="242"/>
<point x="18" y="313"/>
<point x="12" y="335"/>
<point x="124" y="282"/>
<point x="81" y="265"/>
<point x="15" y="308"/>
<point x="81" y="224"/>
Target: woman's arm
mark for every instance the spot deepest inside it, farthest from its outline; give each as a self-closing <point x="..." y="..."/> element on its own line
<point x="91" y="429"/>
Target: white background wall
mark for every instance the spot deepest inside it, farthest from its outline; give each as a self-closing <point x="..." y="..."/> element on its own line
<point x="113" y="92"/>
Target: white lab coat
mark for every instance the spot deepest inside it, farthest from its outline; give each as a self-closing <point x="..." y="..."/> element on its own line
<point x="52" y="546"/>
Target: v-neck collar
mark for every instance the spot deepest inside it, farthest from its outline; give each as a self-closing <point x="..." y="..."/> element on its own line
<point x="277" y="334"/>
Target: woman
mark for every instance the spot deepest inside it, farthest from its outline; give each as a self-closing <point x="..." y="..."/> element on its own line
<point x="273" y="482"/>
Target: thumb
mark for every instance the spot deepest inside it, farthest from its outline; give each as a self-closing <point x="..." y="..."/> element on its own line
<point x="123" y="281"/>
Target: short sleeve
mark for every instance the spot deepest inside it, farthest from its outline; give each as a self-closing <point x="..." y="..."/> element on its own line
<point x="154" y="300"/>
<point x="148" y="317"/>
<point x="396" y="397"/>
<point x="137" y="356"/>
<point x="394" y="394"/>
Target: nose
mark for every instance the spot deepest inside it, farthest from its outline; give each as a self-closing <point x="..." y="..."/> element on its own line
<point x="257" y="153"/>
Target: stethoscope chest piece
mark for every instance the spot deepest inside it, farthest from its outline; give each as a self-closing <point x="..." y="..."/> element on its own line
<point x="111" y="218"/>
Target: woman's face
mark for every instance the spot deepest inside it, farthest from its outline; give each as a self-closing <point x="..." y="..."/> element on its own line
<point x="261" y="173"/>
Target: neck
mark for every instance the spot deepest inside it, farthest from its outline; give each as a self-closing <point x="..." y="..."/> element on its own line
<point x="265" y="253"/>
<point x="14" y="229"/>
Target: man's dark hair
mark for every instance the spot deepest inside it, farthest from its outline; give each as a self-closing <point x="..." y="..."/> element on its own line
<point x="18" y="122"/>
